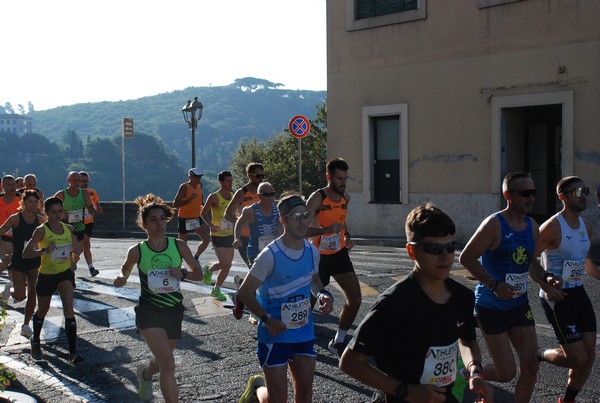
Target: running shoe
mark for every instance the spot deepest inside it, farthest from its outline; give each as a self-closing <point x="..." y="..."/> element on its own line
<point x="249" y="395"/>
<point x="75" y="358"/>
<point x="93" y="271"/>
<point x="218" y="295"/>
<point x="144" y="385"/>
<point x="207" y="275"/>
<point x="238" y="309"/>
<point x="36" y="350"/>
<point x="336" y="348"/>
<point x="237" y="280"/>
<point x="6" y="292"/>
<point x="26" y="331"/>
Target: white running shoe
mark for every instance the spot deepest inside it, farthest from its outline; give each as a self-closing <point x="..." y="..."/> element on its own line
<point x="26" y="331"/>
<point x="6" y="292"/>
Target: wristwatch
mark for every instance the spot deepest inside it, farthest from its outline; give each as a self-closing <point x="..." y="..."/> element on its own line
<point x="402" y="390"/>
<point x="264" y="318"/>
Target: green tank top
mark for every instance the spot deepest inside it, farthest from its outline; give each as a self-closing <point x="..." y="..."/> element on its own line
<point x="59" y="260"/>
<point x="217" y="217"/>
<point x="74" y="206"/>
<point x="158" y="286"/>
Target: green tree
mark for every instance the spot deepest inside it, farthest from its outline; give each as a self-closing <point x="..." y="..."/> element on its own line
<point x="279" y="156"/>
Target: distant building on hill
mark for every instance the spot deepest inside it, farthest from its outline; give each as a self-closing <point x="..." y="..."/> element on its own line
<point x="14" y="123"/>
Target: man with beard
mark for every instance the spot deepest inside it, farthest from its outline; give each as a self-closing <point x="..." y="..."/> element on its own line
<point x="329" y="206"/>
<point x="505" y="242"/>
<point x="565" y="246"/>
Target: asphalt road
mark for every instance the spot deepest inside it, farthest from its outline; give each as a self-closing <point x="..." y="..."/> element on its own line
<point x="216" y="355"/>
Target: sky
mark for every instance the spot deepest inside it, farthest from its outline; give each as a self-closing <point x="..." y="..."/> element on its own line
<point x="63" y="52"/>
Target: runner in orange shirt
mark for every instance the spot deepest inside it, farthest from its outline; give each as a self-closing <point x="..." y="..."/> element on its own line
<point x="88" y="220"/>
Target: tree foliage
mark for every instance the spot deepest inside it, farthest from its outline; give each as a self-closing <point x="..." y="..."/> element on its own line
<point x="279" y="156"/>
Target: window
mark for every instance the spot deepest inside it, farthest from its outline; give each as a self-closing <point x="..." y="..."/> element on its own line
<point x="362" y="14"/>
<point x="492" y="3"/>
<point x="385" y="154"/>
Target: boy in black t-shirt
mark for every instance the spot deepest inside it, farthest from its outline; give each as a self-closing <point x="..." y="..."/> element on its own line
<point x="417" y="327"/>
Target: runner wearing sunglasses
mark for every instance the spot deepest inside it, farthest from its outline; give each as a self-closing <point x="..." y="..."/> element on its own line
<point x="422" y="322"/>
<point x="565" y="246"/>
<point x="505" y="242"/>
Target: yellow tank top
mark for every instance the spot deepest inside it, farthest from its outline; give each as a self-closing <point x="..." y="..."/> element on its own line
<point x="217" y="217"/>
<point x="193" y="208"/>
<point x="59" y="260"/>
<point x="331" y="212"/>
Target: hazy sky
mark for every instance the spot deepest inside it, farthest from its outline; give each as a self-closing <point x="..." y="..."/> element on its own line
<point x="63" y="52"/>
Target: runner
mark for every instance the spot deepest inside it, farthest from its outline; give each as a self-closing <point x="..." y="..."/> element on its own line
<point x="422" y="322"/>
<point x="55" y="243"/>
<point x="188" y="201"/>
<point x="505" y="241"/>
<point x="30" y="181"/>
<point x="9" y="205"/>
<point x="24" y="272"/>
<point x="262" y="220"/>
<point x="329" y="207"/>
<point x="278" y="290"/>
<point x="159" y="313"/>
<point x="243" y="197"/>
<point x="221" y="233"/>
<point x="565" y="243"/>
<point x="88" y="220"/>
<point x="75" y="201"/>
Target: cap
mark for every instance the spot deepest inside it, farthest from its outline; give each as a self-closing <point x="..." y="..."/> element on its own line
<point x="195" y="172"/>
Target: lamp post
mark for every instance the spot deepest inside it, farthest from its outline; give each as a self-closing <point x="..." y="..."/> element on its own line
<point x="189" y="111"/>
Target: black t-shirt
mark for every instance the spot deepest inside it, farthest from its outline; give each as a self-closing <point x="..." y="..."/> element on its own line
<point x="404" y="324"/>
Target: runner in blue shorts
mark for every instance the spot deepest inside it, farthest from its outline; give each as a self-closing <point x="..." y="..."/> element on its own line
<point x="277" y="290"/>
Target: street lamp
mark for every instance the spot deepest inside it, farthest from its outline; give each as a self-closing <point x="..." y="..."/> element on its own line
<point x="189" y="111"/>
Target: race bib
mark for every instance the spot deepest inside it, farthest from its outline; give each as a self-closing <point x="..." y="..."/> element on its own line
<point x="192" y="223"/>
<point x="518" y="282"/>
<point x="295" y="314"/>
<point x="87" y="215"/>
<point x="161" y="281"/>
<point x="225" y="225"/>
<point x="75" y="216"/>
<point x="264" y="241"/>
<point x="61" y="252"/>
<point x="440" y="365"/>
<point x="330" y="242"/>
<point x="572" y="273"/>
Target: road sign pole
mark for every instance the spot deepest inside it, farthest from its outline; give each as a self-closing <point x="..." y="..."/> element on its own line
<point x="300" y="165"/>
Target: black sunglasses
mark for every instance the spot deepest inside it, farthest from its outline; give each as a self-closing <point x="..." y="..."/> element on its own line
<point x="259" y="176"/>
<point x="298" y="215"/>
<point x="525" y="192"/>
<point x="581" y="191"/>
<point x="268" y="194"/>
<point x="436" y="248"/>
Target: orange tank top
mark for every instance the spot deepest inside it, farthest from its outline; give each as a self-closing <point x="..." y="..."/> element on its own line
<point x="331" y="212"/>
<point x="193" y="208"/>
<point x="8" y="209"/>
<point x="249" y="199"/>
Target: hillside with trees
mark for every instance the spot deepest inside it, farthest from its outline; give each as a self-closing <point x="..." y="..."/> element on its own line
<point x="88" y="137"/>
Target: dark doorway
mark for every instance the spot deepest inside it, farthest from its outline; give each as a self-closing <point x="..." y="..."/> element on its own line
<point x="531" y="138"/>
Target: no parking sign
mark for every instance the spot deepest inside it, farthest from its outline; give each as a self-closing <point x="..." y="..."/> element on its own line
<point x="299" y="126"/>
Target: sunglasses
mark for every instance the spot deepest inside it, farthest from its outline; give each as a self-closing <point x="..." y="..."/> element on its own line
<point x="298" y="215"/>
<point x="525" y="192"/>
<point x="268" y="194"/>
<point x="582" y="191"/>
<point x="436" y="248"/>
<point x="258" y="176"/>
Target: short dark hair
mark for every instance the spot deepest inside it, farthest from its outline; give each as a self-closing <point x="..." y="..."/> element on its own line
<point x="222" y="175"/>
<point x="565" y="182"/>
<point x="51" y="201"/>
<point x="83" y="173"/>
<point x="288" y="201"/>
<point x="428" y="220"/>
<point x="511" y="177"/>
<point x="336" y="163"/>
<point x="253" y="166"/>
